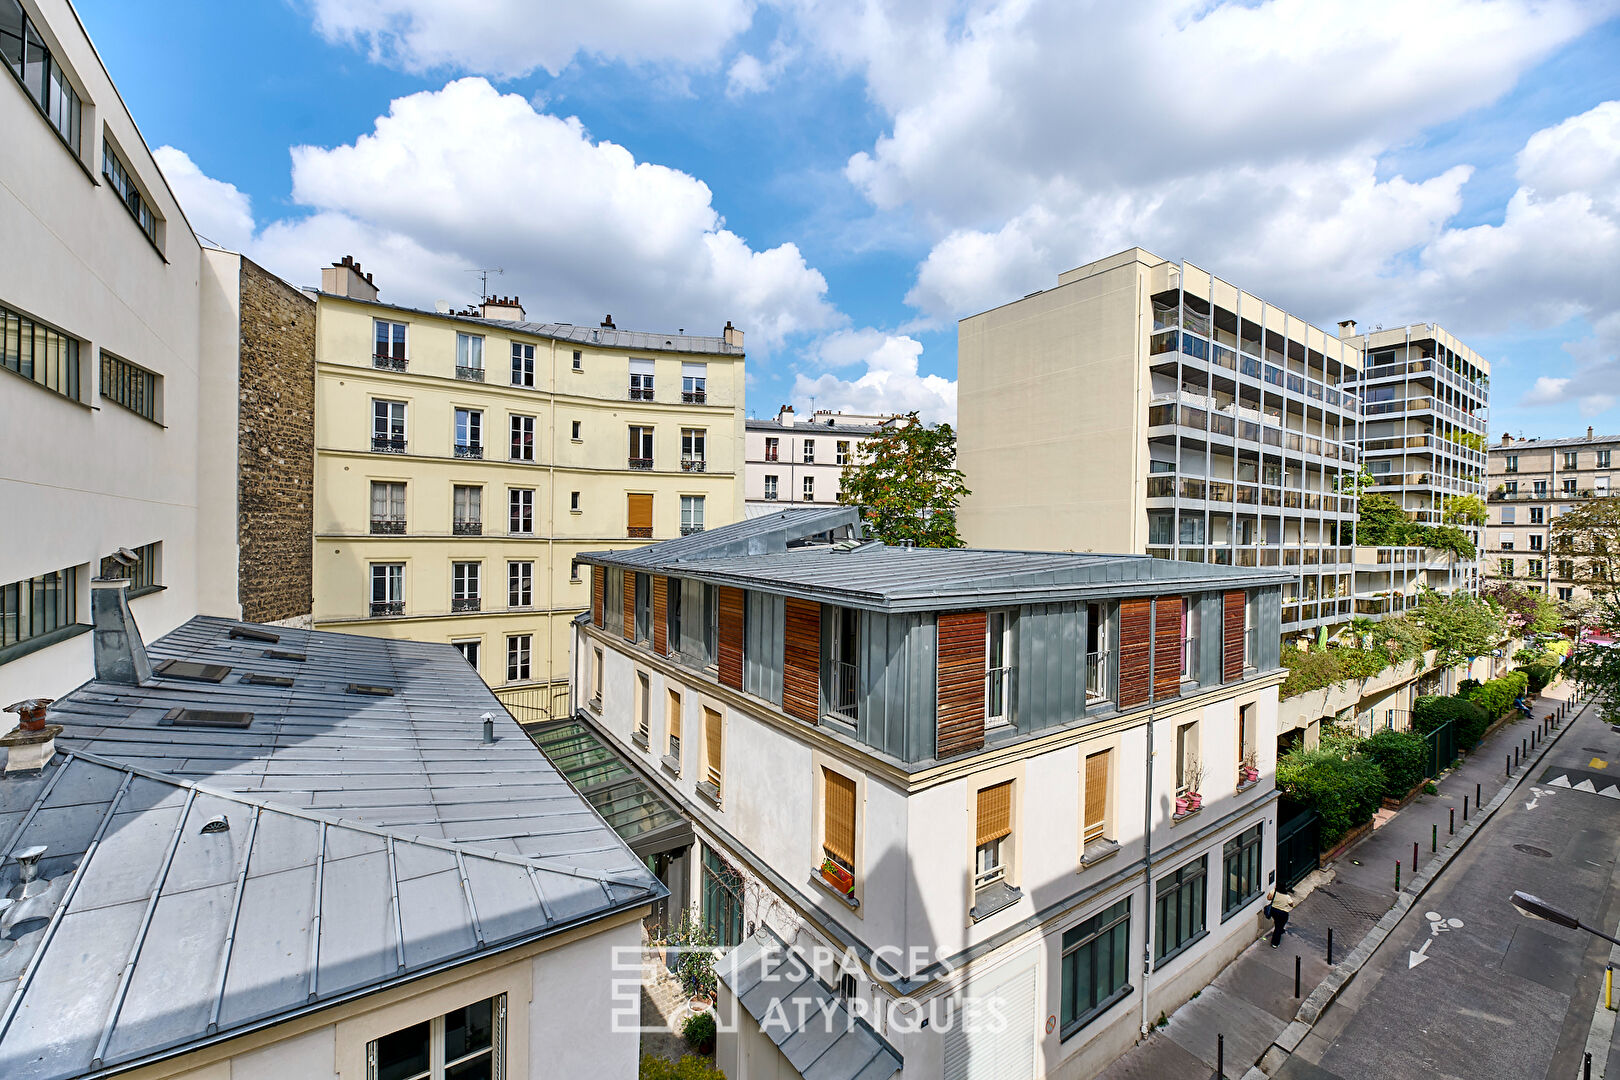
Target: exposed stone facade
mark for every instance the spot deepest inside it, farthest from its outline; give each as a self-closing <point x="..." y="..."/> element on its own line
<point x="276" y="449"/>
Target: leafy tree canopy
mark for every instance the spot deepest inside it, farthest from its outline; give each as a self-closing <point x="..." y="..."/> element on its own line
<point x="1597" y="667"/>
<point x="1589" y="533"/>
<point x="1464" y="510"/>
<point x="907" y="485"/>
<point x="1524" y="610"/>
<point x="1459" y="626"/>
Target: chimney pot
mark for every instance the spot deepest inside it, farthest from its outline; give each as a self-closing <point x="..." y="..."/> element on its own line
<point x="1588" y="431"/>
<point x="346" y="278"/>
<point x="1347" y="329"/>
<point x="607" y="323"/>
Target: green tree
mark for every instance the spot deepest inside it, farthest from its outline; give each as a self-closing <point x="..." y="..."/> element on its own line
<point x="1589" y="533"/>
<point x="1448" y="538"/>
<point x="1459" y="625"/>
<point x="1380" y="522"/>
<point x="1524" y="610"/>
<point x="907" y="484"/>
<point x="1464" y="510"/>
<point x="1597" y="667"/>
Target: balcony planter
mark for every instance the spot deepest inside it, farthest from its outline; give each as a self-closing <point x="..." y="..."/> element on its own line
<point x="1248" y="776"/>
<point x="837" y="877"/>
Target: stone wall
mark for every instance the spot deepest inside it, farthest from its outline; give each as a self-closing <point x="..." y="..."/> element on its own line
<point x="276" y="449"/>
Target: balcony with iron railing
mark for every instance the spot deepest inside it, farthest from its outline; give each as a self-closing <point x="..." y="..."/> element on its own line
<point x="467" y="527"/>
<point x="688" y="530"/>
<point x="694" y="397"/>
<point x="639" y="532"/>
<point x="693" y="464"/>
<point x="460" y="604"/>
<point x="388" y="444"/>
<point x="389" y="363"/>
<point x="381" y="609"/>
<point x="639" y="394"/>
<point x="1099" y="677"/>
<point x="844" y="690"/>
<point x="470" y="451"/>
<point x="641" y="463"/>
<point x="469" y="374"/>
<point x="387" y="526"/>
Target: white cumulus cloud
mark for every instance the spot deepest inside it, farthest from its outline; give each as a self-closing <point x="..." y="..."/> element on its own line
<point x="216" y="210"/>
<point x="891" y="382"/>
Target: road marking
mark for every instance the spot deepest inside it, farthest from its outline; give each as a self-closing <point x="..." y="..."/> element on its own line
<point x="1413" y="959"/>
<point x="1597" y="763"/>
<point x="1438" y="924"/>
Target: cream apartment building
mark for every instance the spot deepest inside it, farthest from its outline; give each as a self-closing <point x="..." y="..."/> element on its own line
<point x="793" y="462"/>
<point x="1532" y="482"/>
<point x="1040" y="783"/>
<point x="1144" y="405"/>
<point x="465" y="459"/>
<point x="134" y="362"/>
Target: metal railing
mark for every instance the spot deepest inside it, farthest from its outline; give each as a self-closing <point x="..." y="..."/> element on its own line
<point x="475" y="451"/>
<point x="388" y="444"/>
<point x="388" y="363"/>
<point x="471" y="374"/>
<point x="388" y="526"/>
<point x="694" y="397"/>
<point x="693" y="464"/>
<point x="642" y="463"/>
<point x="638" y="394"/>
<point x="688" y="530"/>
<point x="844" y="697"/>
<point x="383" y="608"/>
<point x="1099" y="686"/>
<point x="467" y="527"/>
<point x="534" y="704"/>
<point x="998" y="697"/>
<point x="639" y="532"/>
<point x="465" y="603"/>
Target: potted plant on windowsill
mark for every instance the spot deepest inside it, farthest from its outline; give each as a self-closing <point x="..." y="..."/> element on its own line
<point x="1249" y="771"/>
<point x="1192" y="779"/>
<point x="838" y="877"/>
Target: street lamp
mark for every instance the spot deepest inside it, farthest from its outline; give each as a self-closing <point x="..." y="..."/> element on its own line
<point x="1537" y="908"/>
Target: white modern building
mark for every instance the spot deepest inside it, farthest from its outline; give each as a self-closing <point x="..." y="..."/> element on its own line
<point x="793" y="462"/>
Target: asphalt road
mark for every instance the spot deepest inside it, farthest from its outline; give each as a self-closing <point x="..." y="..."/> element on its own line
<point x="1467" y="987"/>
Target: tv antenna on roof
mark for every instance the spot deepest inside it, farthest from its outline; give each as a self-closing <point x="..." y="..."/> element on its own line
<point x="483" y="280"/>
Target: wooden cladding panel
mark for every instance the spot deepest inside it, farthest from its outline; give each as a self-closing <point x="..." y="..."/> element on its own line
<point x="1135" y="652"/>
<point x="1166" y="647"/>
<point x="599" y="596"/>
<point x="1232" y="636"/>
<point x="732" y="604"/>
<point x="629" y="606"/>
<point x="660" y="614"/>
<point x="960" y="719"/>
<point x="801" y="660"/>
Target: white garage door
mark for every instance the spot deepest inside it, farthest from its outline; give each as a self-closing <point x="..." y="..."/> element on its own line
<point x="1001" y="1050"/>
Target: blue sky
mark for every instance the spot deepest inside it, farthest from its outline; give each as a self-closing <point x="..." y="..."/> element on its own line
<point x="846" y="178"/>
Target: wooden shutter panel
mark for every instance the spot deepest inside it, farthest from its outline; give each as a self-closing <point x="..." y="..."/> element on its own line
<point x="660" y="615"/>
<point x="712" y="746"/>
<point x="629" y="605"/>
<point x="1096" y="794"/>
<point x="638" y="514"/>
<point x="838" y="805"/>
<point x="1232" y="636"/>
<point x="732" y="602"/>
<point x="1135" y="650"/>
<point x="599" y="596"/>
<point x="801" y="660"/>
<point x="1166" y="647"/>
<point x="959" y="725"/>
<point x="995" y="813"/>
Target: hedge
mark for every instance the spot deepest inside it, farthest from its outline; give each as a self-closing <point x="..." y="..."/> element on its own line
<point x="1497" y="696"/>
<point x="690" y="1067"/>
<point x="1401" y="756"/>
<point x="1344" y="791"/>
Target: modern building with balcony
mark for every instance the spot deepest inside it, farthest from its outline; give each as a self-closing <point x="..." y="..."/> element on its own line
<point x="1145" y="405"/>
<point x="1532" y="482"/>
<point x="924" y="784"/>
<point x="466" y="458"/>
<point x="1425" y="406"/>
<point x="792" y="462"/>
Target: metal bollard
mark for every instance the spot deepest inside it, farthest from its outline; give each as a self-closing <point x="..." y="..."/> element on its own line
<point x="1397" y="875"/>
<point x="1588" y="1067"/>
<point x="1330" y="946"/>
<point x="1465" y="809"/>
<point x="1220" y="1056"/>
<point x="1507" y="770"/>
<point x="1296" y="975"/>
<point x="1451" y="825"/>
<point x="1476" y="797"/>
<point x="1414" y="856"/>
<point x="1434" y="838"/>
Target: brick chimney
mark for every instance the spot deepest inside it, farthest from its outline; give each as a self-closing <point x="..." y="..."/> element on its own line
<point x="30" y="747"/>
<point x="784" y="415"/>
<point x="120" y="653"/>
<point x="1506" y="438"/>
<point x="1588" y="431"/>
<point x="503" y="308"/>
<point x="1347" y="329"/>
<point x="607" y="323"/>
<point x="345" y="278"/>
<point x="731" y="335"/>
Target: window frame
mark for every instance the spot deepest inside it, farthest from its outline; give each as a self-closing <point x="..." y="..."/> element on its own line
<point x="463" y="355"/>
<point x="809" y="489"/>
<point x="1001" y="850"/>
<point x="1101" y="926"/>
<point x="773" y="449"/>
<point x="467" y="429"/>
<point x="523" y="365"/>
<point x="439" y="1065"/>
<point x="1244" y="853"/>
<point x="998" y="678"/>
<point x="770" y="486"/>
<point x="122" y="182"/>
<point x="61" y="611"/>
<point x="462" y="646"/>
<point x="519" y="658"/>
<point x="131" y="386"/>
<point x="60" y="362"/>
<point x="674" y="727"/>
<point x="516" y="501"/>
<point x="398" y="350"/>
<point x="807" y="451"/>
<point x="693" y="515"/>
<point x="520" y="427"/>
<point x="1189" y="884"/>
<point x="382" y="410"/>
<point x="520" y="576"/>
<point x="466" y="579"/>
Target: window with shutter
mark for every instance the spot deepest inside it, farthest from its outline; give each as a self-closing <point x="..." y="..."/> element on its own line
<point x="732" y="603"/>
<point x="960" y="719"/>
<point x="672" y="726"/>
<point x="1232" y="636"/>
<point x="1167" y="647"/>
<point x="1097" y="773"/>
<point x="660" y="615"/>
<point x="599" y="596"/>
<point x="639" y="515"/>
<point x="712" y="747"/>
<point x="630" y="610"/>
<point x="993" y="828"/>
<point x="1135" y="652"/>
<point x="838" y="825"/>
<point x="801" y="660"/>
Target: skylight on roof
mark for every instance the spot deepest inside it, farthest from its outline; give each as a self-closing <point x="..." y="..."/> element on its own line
<point x="187" y="669"/>
<point x="248" y="633"/>
<point x="206" y="718"/>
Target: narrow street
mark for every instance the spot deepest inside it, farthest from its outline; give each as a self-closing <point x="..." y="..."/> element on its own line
<point x="1465" y="986"/>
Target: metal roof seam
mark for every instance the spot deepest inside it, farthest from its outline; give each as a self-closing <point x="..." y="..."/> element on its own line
<point x="96" y="1059"/>
<point x="236" y="914"/>
<point x="33" y="811"/>
<point x="315" y="920"/>
<point x="40" y="949"/>
<point x="399" y="919"/>
<point x="467" y="896"/>
<point x="539" y="893"/>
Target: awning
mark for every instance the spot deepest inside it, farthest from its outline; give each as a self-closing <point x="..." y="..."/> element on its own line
<point x="642" y="817"/>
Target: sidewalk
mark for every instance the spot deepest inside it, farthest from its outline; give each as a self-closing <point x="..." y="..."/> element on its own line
<point x="1252" y="1001"/>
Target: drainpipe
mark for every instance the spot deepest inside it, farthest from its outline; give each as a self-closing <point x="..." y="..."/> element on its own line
<point x="1147" y="829"/>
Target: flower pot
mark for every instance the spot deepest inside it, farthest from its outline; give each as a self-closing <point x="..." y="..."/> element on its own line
<point x="1194" y="800"/>
<point x="1183" y="804"/>
<point x="1251" y="775"/>
<point x="837" y="877"/>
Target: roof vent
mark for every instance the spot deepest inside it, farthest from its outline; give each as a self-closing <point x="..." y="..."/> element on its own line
<point x="253" y="678"/>
<point x="193" y="672"/>
<point x="217" y="824"/>
<point x="248" y="633"/>
<point x="206" y="718"/>
<point x="370" y="691"/>
<point x="283" y="654"/>
<point x="120" y="655"/>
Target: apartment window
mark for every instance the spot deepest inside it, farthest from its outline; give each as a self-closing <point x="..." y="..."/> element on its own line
<point x="38" y="352"/>
<point x="469" y="649"/>
<point x="643" y="709"/>
<point x="522" y="364"/>
<point x="809" y="451"/>
<point x="1509" y="515"/>
<point x="517" y="657"/>
<point x="573" y="502"/>
<point x="596" y="678"/>
<point x="140" y="567"/>
<point x="695" y="383"/>
<point x="691" y="514"/>
<point x="1569" y="486"/>
<point x="1099" y="655"/>
<point x="387" y="508"/>
<point x="469" y="433"/>
<point x="1510" y="463"/>
<point x="641" y="380"/>
<point x="672" y="616"/>
<point x="464" y="582"/>
<point x="41" y="76"/>
<point x="574" y="431"/>
<point x="1566" y="594"/>
<point x="520" y="511"/>
<point x="1251" y="629"/>
<point x="1096" y="966"/>
<point x="1240" y="862"/>
<point x="1535" y="541"/>
<point x="387" y="589"/>
<point x="129" y="193"/>
<point x="1505" y="567"/>
<point x="773" y="448"/>
<point x="809" y="489"/>
<point x="388" y="426"/>
<point x="136" y="389"/>
<point x="711" y="624"/>
<point x="638" y="512"/>
<point x="641" y="447"/>
<point x="992" y="843"/>
<point x="1099" y="771"/>
<point x="38" y="606"/>
<point x="1189" y="639"/>
<point x="467" y="506"/>
<point x="1188" y="766"/>
<point x="838" y="818"/>
<point x="713" y="749"/>
<point x="1506" y="540"/>
<point x="470" y="357"/>
<point x="1569" y="459"/>
<point x="843" y="451"/>
<point x="722" y="909"/>
<point x="522" y="438"/>
<point x="1540" y="487"/>
<point x="693" y="449"/>
<point x="388" y="344"/>
<point x="1510" y="487"/>
<point x="579" y="360"/>
<point x="469" y="1042"/>
<point x="520" y="583"/>
<point x="1248" y="747"/>
<point x="844" y="654"/>
<point x="1179" y="909"/>
<point x="998" y="670"/>
<point x="770" y="486"/>
<point x="1603" y="459"/>
<point x="1534" y="568"/>
<point x="1566" y="569"/>
<point x="672" y="727"/>
<point x="643" y="612"/>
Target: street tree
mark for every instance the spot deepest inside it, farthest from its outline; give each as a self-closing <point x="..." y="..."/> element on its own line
<point x="906" y="482"/>
<point x="1464" y="510"/>
<point x="1459" y="626"/>
<point x="1524" y="610"/>
<point x="1597" y="667"/>
<point x="1588" y="533"/>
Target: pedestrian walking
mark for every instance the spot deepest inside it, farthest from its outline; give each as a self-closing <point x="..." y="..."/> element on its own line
<point x="1278" y="905"/>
